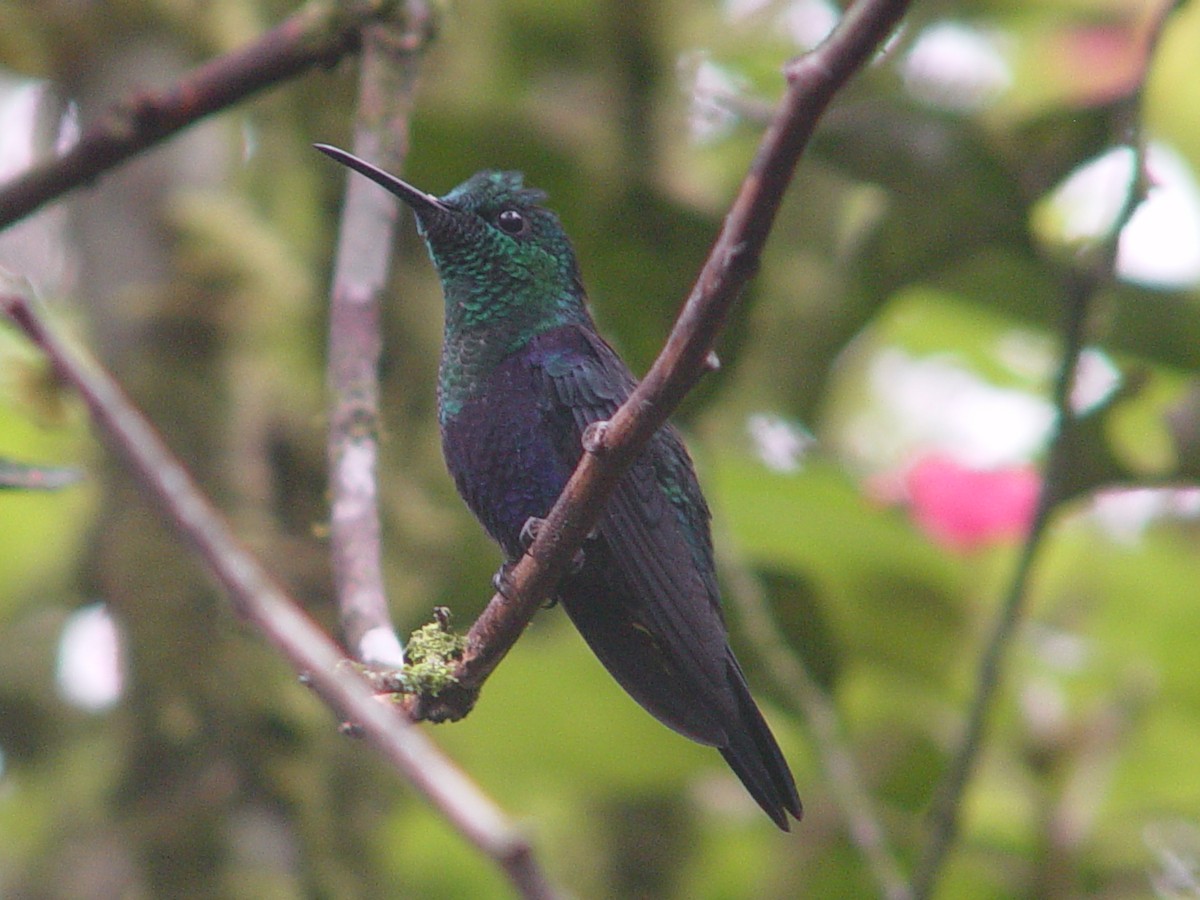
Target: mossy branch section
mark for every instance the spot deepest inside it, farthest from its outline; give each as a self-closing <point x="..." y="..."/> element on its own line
<point x="433" y="653"/>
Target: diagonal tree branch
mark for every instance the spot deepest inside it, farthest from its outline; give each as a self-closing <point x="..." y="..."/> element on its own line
<point x="319" y="35"/>
<point x="1080" y="287"/>
<point x="257" y="598"/>
<point x="812" y="81"/>
<point x="366" y="238"/>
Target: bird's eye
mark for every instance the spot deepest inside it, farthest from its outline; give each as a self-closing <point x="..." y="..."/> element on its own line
<point x="510" y="221"/>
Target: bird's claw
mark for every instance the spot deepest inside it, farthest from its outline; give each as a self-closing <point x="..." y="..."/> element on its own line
<point x="502" y="581"/>
<point x="529" y="533"/>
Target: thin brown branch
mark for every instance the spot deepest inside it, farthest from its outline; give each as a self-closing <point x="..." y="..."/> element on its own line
<point x="364" y="254"/>
<point x="319" y="35"/>
<point x="1081" y="285"/>
<point x="812" y="80"/>
<point x="257" y="598"/>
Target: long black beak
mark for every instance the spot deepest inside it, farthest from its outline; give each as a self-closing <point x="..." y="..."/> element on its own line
<point x="421" y="202"/>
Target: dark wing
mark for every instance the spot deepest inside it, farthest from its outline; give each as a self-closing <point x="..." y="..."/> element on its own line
<point x="647" y="600"/>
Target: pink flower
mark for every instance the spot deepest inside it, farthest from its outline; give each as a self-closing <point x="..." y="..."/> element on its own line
<point x="963" y="508"/>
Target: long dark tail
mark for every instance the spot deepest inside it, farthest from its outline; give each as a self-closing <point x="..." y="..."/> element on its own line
<point x="756" y="759"/>
<point x="726" y="719"/>
<point x="712" y="707"/>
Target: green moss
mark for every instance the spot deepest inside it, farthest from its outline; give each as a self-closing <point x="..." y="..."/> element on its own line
<point x="432" y="652"/>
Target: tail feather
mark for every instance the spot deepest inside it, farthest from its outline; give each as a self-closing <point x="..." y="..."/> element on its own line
<point x="756" y="759"/>
<point x="718" y="711"/>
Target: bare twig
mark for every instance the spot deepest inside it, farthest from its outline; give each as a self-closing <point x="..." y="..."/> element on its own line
<point x="260" y="600"/>
<point x="319" y="35"/>
<point x="367" y="235"/>
<point x="845" y="783"/>
<point x="1080" y="287"/>
<point x="812" y="81"/>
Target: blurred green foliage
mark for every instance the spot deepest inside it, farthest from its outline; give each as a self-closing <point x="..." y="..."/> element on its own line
<point x="198" y="273"/>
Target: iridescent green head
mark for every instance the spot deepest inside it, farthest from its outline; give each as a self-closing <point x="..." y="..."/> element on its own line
<point x="502" y="257"/>
<point x="507" y="268"/>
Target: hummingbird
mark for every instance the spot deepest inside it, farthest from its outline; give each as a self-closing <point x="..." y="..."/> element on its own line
<point x="523" y="373"/>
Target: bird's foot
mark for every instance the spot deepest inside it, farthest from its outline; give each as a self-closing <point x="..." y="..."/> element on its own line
<point x="502" y="581"/>
<point x="502" y="584"/>
<point x="529" y="533"/>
